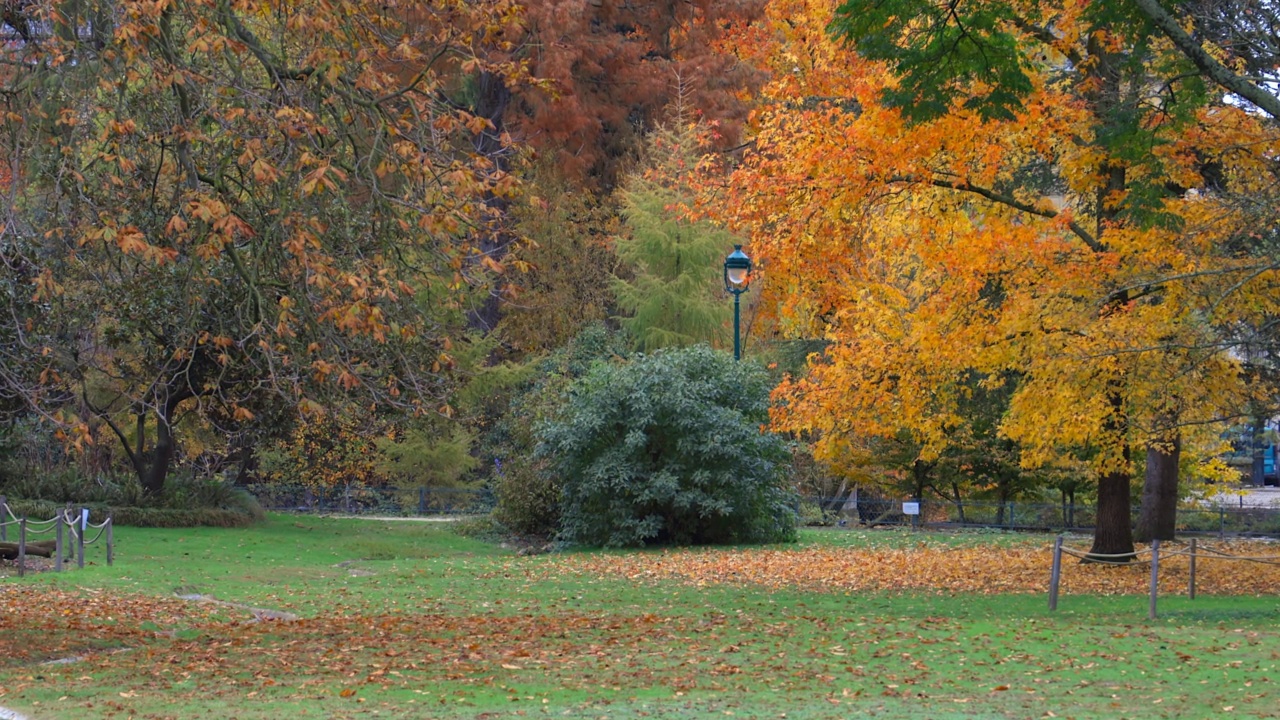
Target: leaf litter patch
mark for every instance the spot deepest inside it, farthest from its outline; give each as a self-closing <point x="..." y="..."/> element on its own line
<point x="985" y="570"/>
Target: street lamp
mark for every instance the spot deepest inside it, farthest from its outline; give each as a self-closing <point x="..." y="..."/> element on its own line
<point x="737" y="275"/>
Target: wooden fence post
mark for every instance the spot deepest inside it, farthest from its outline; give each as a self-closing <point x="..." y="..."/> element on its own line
<point x="1055" y="575"/>
<point x="71" y="530"/>
<point x="83" y="523"/>
<point x="22" y="546"/>
<point x="4" y="517"/>
<point x="57" y="561"/>
<point x="1191" y="582"/>
<point x="111" y="545"/>
<point x="1155" y="570"/>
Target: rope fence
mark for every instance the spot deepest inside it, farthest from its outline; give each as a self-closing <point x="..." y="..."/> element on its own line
<point x="68" y="526"/>
<point x="1193" y="552"/>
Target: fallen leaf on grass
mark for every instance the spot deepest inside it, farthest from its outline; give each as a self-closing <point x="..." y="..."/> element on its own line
<point x="982" y="569"/>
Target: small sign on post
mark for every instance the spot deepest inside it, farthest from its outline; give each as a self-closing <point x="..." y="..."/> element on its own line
<point x="911" y="508"/>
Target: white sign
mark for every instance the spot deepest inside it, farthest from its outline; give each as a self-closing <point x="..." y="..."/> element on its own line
<point x="910" y="508"/>
<point x="84" y="519"/>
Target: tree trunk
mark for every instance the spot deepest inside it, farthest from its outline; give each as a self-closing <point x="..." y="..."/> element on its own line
<point x="1160" y="490"/>
<point x="492" y="98"/>
<point x="959" y="502"/>
<point x="157" y="470"/>
<point x="1113" y="534"/>
<point x="1113" y="531"/>
<point x="152" y="475"/>
<point x="920" y="477"/>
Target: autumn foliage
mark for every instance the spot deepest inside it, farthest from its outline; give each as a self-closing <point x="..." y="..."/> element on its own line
<point x="1077" y="243"/>
<point x="929" y="568"/>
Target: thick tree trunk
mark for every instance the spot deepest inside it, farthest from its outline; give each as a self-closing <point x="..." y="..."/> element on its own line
<point x="1113" y="531"/>
<point x="1159" y="513"/>
<point x="1113" y="534"/>
<point x="153" y="474"/>
<point x="157" y="470"/>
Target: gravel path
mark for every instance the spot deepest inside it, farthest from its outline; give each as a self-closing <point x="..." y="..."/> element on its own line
<point x="425" y="518"/>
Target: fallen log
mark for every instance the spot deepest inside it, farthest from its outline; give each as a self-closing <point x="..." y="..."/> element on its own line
<point x="40" y="548"/>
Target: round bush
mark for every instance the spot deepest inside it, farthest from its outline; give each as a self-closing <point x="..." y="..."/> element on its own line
<point x="670" y="448"/>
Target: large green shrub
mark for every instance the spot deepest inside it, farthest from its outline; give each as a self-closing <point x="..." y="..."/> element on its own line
<point x="668" y="448"/>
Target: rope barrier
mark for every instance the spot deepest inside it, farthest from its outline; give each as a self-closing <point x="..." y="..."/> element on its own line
<point x="1240" y="557"/>
<point x="1219" y="555"/>
<point x="1094" y="558"/>
<point x="101" y="529"/>
<point x="1156" y="550"/>
<point x="1093" y="555"/>
<point x="72" y="548"/>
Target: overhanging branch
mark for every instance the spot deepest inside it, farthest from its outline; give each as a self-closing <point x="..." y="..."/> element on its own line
<point x="1210" y="66"/>
<point x="1008" y="200"/>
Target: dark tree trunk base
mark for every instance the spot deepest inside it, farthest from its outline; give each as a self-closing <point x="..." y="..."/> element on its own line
<point x="1113" y="534"/>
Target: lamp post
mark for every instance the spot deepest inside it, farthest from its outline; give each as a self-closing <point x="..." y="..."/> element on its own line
<point x="737" y="274"/>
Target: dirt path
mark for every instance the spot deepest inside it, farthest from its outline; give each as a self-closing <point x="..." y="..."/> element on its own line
<point x="258" y="613"/>
<point x="425" y="518"/>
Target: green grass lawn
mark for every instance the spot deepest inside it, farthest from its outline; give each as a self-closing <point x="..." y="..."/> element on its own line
<point x="401" y="619"/>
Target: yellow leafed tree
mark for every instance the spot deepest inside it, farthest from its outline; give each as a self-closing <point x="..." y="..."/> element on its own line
<point x="1082" y="232"/>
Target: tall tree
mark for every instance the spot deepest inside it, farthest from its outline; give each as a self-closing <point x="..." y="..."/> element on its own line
<point x="674" y="293"/>
<point x="999" y="187"/>
<point x="607" y="69"/>
<point x="217" y="202"/>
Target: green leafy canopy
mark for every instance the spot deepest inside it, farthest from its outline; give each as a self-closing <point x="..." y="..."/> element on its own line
<point x="940" y="50"/>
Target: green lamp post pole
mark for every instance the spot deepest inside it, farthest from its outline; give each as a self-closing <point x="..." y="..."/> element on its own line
<point x="737" y="274"/>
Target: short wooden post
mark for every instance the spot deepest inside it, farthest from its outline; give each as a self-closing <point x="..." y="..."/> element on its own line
<point x="1222" y="522"/>
<point x="4" y="518"/>
<point x="1155" y="571"/>
<point x="57" y="560"/>
<point x="422" y="501"/>
<point x="111" y="545"/>
<point x="1191" y="582"/>
<point x="71" y="533"/>
<point x="22" y="546"/>
<point x="81" y="521"/>
<point x="1055" y="574"/>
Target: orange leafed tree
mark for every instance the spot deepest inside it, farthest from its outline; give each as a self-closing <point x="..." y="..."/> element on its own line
<point x="1081" y="234"/>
